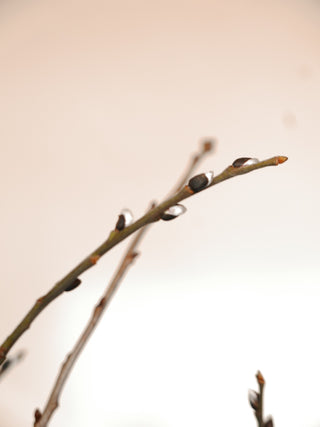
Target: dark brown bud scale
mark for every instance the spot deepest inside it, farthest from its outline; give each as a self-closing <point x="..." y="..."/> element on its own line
<point x="168" y="217"/>
<point x="125" y="219"/>
<point x="6" y="365"/>
<point x="73" y="285"/>
<point x="201" y="181"/>
<point x="268" y="423"/>
<point x="245" y="161"/>
<point x="121" y="222"/>
<point x="173" y="212"/>
<point x="240" y="162"/>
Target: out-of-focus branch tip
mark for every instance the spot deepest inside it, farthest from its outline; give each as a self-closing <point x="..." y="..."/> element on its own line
<point x="260" y="378"/>
<point x="208" y="145"/>
<point x="12" y="361"/>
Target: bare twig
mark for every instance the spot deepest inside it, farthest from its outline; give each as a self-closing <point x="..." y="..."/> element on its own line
<point x="116" y="237"/>
<point x="42" y="419"/>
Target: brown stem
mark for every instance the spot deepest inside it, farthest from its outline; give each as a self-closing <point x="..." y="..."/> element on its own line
<point x="116" y="237"/>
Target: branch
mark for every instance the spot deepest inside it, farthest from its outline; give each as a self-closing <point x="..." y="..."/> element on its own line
<point x="41" y="419"/>
<point x="256" y="402"/>
<point x="116" y="237"/>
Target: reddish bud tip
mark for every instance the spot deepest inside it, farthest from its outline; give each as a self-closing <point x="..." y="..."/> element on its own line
<point x="94" y="259"/>
<point x="260" y="378"/>
<point x="282" y="159"/>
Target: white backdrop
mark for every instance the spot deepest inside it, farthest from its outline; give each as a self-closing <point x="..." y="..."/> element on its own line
<point x="102" y="104"/>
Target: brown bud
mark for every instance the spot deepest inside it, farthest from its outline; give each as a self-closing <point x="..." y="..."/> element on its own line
<point x="253" y="399"/>
<point x="37" y="415"/>
<point x="260" y="378"/>
<point x="125" y="219"/>
<point x="207" y="146"/>
<point x="73" y="285"/>
<point x="244" y="161"/>
<point x="268" y="423"/>
<point x="173" y="212"/>
<point x="201" y="181"/>
<point x="120" y="223"/>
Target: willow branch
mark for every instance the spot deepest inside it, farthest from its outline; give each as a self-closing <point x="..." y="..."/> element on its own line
<point x="116" y="237"/>
<point x="41" y="419"/>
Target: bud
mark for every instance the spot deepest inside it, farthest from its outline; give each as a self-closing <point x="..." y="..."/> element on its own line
<point x="253" y="397"/>
<point x="244" y="161"/>
<point x="260" y="378"/>
<point x="11" y="361"/>
<point x="199" y="182"/>
<point x="125" y="219"/>
<point x="268" y="423"/>
<point x="173" y="212"/>
<point x="73" y="285"/>
<point x="208" y="145"/>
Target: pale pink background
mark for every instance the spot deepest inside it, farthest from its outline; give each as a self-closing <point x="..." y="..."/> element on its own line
<point x="101" y="105"/>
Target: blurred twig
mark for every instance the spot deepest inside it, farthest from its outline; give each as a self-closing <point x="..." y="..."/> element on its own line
<point x="256" y="402"/>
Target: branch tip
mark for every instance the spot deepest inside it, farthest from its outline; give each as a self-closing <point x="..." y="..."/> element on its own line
<point x="281" y="159"/>
<point x="260" y="378"/>
<point x="208" y="145"/>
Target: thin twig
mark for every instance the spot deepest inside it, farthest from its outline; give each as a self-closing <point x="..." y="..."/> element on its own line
<point x="116" y="237"/>
<point x="41" y="420"/>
